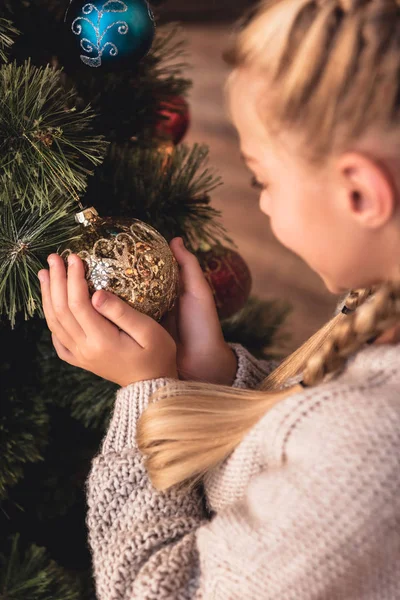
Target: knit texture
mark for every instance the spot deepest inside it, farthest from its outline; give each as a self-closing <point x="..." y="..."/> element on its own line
<point x="307" y="507"/>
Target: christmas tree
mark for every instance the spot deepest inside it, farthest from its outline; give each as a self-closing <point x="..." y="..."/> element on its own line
<point x="82" y="124"/>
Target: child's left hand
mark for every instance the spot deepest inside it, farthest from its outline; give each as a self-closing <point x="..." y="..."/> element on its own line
<point x="84" y="337"/>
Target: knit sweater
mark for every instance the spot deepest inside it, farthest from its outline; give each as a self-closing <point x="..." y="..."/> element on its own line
<point x="307" y="507"/>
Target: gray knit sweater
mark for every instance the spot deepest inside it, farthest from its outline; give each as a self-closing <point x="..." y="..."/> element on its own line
<point x="307" y="507"/>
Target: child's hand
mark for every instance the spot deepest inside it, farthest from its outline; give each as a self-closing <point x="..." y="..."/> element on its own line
<point x="202" y="353"/>
<point x="85" y="336"/>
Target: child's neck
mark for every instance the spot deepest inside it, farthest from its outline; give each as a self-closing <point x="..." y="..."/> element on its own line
<point x="390" y="336"/>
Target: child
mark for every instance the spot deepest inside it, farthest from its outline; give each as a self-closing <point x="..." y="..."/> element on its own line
<point x="266" y="483"/>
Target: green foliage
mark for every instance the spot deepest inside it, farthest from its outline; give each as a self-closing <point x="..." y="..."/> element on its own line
<point x="7" y="34"/>
<point x="24" y="421"/>
<point x="26" y="239"/>
<point x="257" y="325"/>
<point x="45" y="143"/>
<point x="23" y="436"/>
<point x="32" y="575"/>
<point x="53" y="487"/>
<point x="169" y="192"/>
<point x="166" y="62"/>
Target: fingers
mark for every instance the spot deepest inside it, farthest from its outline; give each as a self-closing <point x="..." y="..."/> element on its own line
<point x="59" y="298"/>
<point x="51" y="319"/>
<point x="90" y="321"/>
<point x="67" y="307"/>
<point x="192" y="277"/>
<point x="78" y="321"/>
<point x="63" y="352"/>
<point x="137" y="325"/>
<point x="169" y="322"/>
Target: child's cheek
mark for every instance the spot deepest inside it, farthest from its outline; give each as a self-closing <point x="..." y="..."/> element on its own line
<point x="279" y="230"/>
<point x="288" y="230"/>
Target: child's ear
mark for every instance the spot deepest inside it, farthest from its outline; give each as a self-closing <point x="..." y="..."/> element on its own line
<point x="370" y="190"/>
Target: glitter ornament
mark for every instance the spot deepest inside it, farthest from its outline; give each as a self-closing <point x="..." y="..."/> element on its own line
<point x="129" y="258"/>
<point x="228" y="276"/>
<point x="112" y="30"/>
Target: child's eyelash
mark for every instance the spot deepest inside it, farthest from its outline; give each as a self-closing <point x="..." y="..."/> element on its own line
<point x="256" y="184"/>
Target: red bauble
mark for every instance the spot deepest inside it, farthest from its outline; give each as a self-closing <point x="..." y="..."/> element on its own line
<point x="229" y="278"/>
<point x="177" y="120"/>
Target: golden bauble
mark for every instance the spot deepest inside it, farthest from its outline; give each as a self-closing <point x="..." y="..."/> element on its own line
<point x="129" y="258"/>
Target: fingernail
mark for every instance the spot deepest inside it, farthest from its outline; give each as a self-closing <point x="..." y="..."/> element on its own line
<point x="50" y="260"/>
<point x="40" y="276"/>
<point x="182" y="242"/>
<point x="71" y="260"/>
<point x="100" y="299"/>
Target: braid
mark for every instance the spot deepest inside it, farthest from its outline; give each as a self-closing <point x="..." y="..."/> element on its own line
<point x="373" y="318"/>
<point x="350" y="6"/>
<point x="325" y="62"/>
<point x="298" y="360"/>
<point x="355" y="298"/>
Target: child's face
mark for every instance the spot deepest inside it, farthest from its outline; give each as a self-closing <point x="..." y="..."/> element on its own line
<point x="308" y="208"/>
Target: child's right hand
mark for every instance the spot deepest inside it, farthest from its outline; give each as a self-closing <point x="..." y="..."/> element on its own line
<point x="202" y="353"/>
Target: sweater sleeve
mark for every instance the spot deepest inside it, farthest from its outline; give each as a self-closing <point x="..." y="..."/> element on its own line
<point x="320" y="524"/>
<point x="251" y="371"/>
<point x="141" y="540"/>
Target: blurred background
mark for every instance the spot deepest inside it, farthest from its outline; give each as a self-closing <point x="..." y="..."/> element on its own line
<point x="277" y="272"/>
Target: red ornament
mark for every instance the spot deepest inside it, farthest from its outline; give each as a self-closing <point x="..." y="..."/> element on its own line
<point x="229" y="277"/>
<point x="177" y="120"/>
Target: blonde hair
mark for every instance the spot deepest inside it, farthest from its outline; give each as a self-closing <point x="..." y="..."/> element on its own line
<point x="336" y="65"/>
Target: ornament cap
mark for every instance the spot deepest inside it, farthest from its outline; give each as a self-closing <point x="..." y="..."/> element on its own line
<point x="87" y="216"/>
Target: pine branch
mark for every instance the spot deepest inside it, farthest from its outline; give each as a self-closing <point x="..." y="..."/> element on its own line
<point x="7" y="34"/>
<point x="24" y="420"/>
<point x="165" y="63"/>
<point x="26" y="239"/>
<point x="257" y="325"/>
<point x="52" y="488"/>
<point x="23" y="429"/>
<point x="31" y="573"/>
<point x="168" y="51"/>
<point x="45" y="142"/>
<point x="169" y="192"/>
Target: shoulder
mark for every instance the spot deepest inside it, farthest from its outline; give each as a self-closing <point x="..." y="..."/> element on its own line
<point x="320" y="517"/>
<point x="338" y="419"/>
<point x="334" y="449"/>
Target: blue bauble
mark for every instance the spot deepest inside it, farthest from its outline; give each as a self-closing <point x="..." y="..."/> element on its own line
<point x="111" y="30"/>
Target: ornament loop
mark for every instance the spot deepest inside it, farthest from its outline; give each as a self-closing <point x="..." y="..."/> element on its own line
<point x="87" y="216"/>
